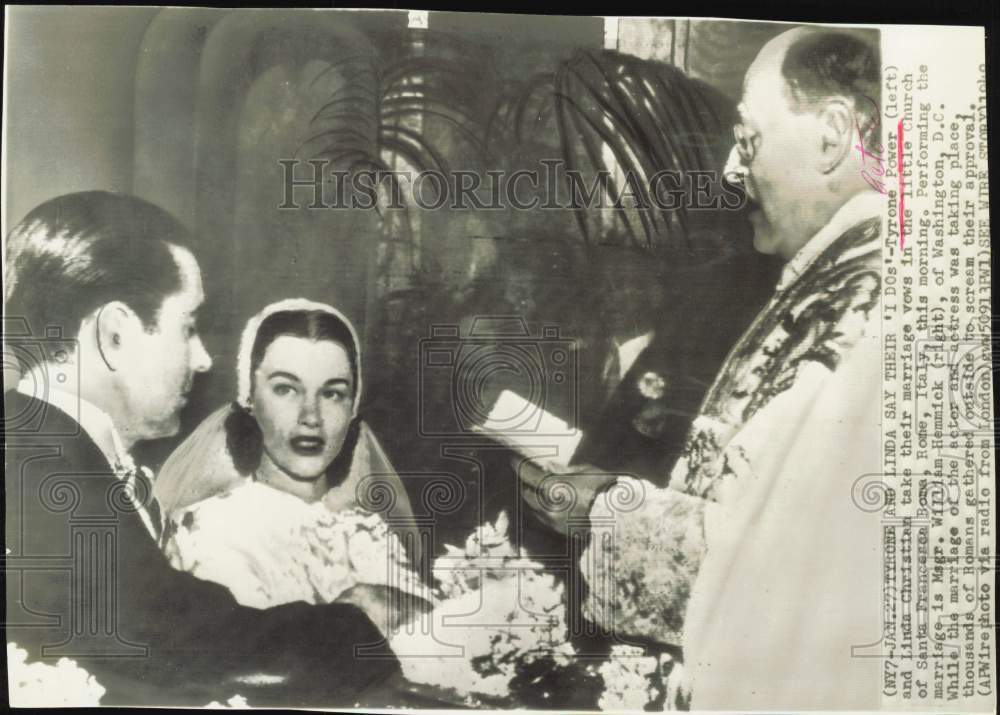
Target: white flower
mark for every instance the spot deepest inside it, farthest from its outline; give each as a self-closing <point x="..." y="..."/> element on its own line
<point x="498" y="609"/>
<point x="652" y="386"/>
<point x="41" y="685"/>
<point x="628" y="679"/>
<point x="237" y="701"/>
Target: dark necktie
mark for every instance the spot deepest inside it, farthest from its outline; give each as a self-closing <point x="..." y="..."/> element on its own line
<point x="142" y="491"/>
<point x="152" y="506"/>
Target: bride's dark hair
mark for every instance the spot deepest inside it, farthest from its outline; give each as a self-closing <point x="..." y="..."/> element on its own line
<point x="244" y="439"/>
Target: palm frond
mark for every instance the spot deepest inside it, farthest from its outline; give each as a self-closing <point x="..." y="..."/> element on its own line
<point x="396" y="137"/>
<point x="651" y="117"/>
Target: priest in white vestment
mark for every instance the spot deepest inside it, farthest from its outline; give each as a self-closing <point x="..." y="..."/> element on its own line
<point x="760" y="558"/>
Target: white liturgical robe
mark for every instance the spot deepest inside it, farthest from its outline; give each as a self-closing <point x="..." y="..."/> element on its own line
<point x="762" y="557"/>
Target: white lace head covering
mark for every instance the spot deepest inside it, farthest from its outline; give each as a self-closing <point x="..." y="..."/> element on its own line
<point x="243" y="373"/>
<point x="202" y="465"/>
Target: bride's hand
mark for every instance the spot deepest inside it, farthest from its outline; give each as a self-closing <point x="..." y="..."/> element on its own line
<point x="387" y="607"/>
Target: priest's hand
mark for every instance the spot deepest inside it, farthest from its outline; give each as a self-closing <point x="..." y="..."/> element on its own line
<point x="560" y="496"/>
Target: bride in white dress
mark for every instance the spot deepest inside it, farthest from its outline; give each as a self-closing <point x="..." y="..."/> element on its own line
<point x="285" y="495"/>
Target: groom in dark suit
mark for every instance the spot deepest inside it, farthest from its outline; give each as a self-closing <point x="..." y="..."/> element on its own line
<point x="102" y="297"/>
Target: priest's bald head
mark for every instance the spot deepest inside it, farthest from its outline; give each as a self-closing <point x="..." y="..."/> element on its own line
<point x="808" y="114"/>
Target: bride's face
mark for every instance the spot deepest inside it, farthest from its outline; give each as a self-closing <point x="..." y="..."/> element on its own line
<point x="303" y="395"/>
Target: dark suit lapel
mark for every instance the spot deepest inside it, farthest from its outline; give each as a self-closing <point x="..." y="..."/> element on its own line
<point x="100" y="493"/>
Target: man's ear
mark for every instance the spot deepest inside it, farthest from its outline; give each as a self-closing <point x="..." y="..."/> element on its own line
<point x="117" y="326"/>
<point x="836" y="122"/>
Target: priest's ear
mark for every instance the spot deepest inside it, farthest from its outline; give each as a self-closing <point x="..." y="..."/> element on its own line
<point x="117" y="327"/>
<point x="836" y="134"/>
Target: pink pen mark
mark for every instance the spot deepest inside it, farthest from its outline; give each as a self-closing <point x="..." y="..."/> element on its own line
<point x="899" y="173"/>
<point x="872" y="162"/>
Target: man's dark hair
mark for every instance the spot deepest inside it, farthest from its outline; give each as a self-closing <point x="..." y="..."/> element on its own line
<point x="824" y="64"/>
<point x="77" y="252"/>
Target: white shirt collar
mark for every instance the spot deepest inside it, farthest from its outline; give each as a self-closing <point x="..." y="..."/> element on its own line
<point x="94" y="421"/>
<point x="863" y="205"/>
